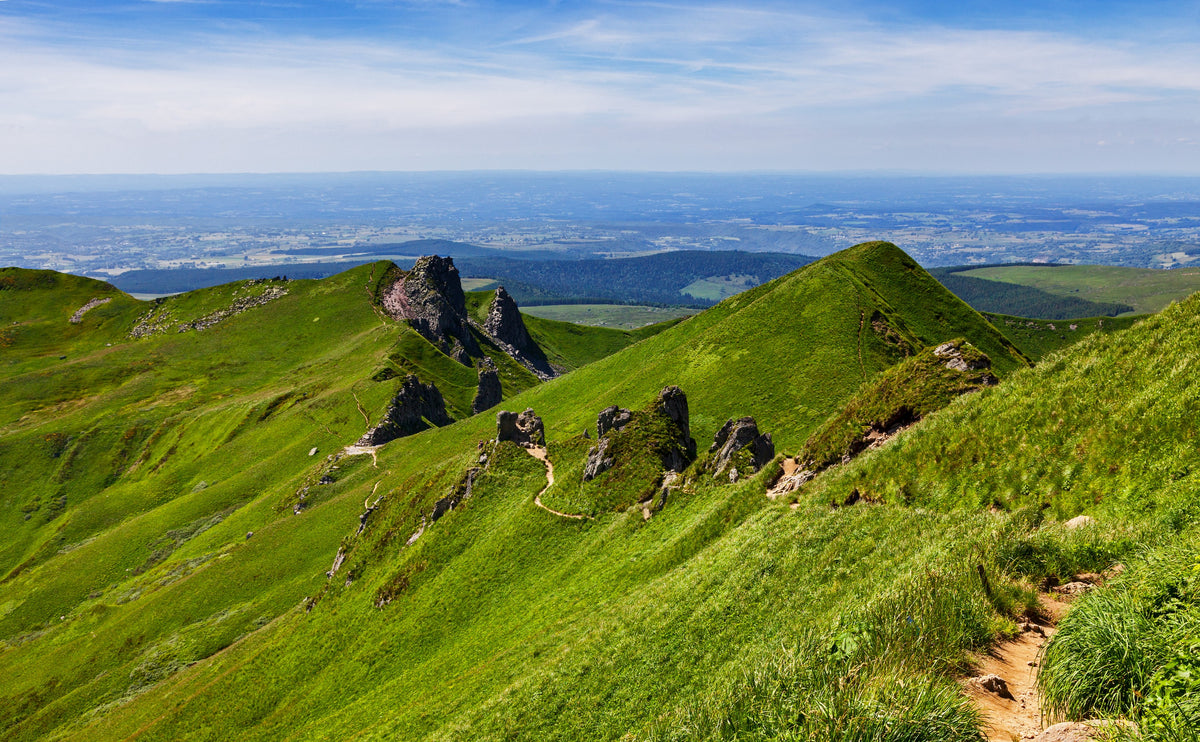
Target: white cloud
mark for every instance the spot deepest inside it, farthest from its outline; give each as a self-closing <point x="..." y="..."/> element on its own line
<point x="678" y="88"/>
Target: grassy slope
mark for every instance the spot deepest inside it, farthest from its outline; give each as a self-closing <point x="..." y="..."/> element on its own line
<point x="131" y="468"/>
<point x="1147" y="290"/>
<point x="491" y="627"/>
<point x="1105" y="428"/>
<point x="1038" y="338"/>
<point x="620" y="316"/>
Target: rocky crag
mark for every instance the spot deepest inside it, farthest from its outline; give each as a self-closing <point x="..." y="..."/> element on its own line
<point x="431" y="299"/>
<point x="737" y="436"/>
<point x="490" y="393"/>
<point x="525" y="429"/>
<point x="415" y="407"/>
<point x="506" y="327"/>
<point x="674" y="445"/>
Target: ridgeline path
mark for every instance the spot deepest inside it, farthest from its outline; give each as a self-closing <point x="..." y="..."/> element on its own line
<point x="539" y="453"/>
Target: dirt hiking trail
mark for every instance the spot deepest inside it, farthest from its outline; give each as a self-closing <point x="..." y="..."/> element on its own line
<point x="539" y="453"/>
<point x="1014" y="713"/>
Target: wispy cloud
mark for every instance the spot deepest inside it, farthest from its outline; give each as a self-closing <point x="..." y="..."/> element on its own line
<point x="616" y="86"/>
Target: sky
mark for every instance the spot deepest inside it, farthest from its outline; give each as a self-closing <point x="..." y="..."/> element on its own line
<point x="966" y="87"/>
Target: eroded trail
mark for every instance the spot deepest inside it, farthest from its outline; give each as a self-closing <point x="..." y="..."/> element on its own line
<point x="539" y="453"/>
<point x="1014" y="713"/>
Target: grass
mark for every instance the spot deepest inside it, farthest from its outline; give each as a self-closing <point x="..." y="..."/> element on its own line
<point x="724" y="616"/>
<point x="1129" y="650"/>
<point x="1146" y="290"/>
<point x="1038" y="338"/>
<point x="716" y="288"/>
<point x="897" y="396"/>
<point x="621" y="316"/>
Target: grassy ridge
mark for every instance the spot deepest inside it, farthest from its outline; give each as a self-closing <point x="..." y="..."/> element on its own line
<point x="1144" y="289"/>
<point x="489" y="597"/>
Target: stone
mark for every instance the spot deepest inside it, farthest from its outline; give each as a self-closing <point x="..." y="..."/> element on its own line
<point x="1079" y="521"/>
<point x="415" y="407"/>
<point x="992" y="684"/>
<point x="958" y="361"/>
<point x="312" y="451"/>
<point x="431" y="299"/>
<point x="672" y="402"/>
<point x="489" y="394"/>
<point x="612" y="418"/>
<point x="598" y="460"/>
<point x="525" y="429"/>
<point x="507" y="328"/>
<point x="735" y="435"/>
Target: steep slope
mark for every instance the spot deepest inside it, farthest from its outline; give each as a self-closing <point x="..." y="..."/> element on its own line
<point x="189" y="549"/>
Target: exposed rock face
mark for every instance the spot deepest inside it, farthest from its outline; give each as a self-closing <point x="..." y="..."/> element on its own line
<point x="504" y="321"/>
<point x="414" y="404"/>
<point x="430" y="297"/>
<point x="956" y="360"/>
<point x="525" y="429"/>
<point x="612" y="418"/>
<point x="735" y="435"/>
<point x="505" y="326"/>
<point x="598" y="460"/>
<point x="672" y="402"/>
<point x="489" y="393"/>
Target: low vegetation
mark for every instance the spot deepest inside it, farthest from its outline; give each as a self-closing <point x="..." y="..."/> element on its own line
<point x="160" y="580"/>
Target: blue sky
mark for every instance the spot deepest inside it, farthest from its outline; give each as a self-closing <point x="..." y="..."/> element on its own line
<point x="292" y="85"/>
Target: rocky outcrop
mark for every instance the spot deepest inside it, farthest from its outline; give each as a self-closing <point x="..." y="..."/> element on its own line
<point x="489" y="394"/>
<point x="672" y="402"/>
<point x="736" y="435"/>
<point x="612" y="418"/>
<point x="598" y="460"/>
<point x="415" y="407"/>
<point x="525" y="429"/>
<point x="958" y="360"/>
<point x="77" y="317"/>
<point x="506" y="327"/>
<point x="431" y="299"/>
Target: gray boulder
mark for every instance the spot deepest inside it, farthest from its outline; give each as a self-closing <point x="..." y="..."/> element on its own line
<point x="735" y="435"/>
<point x="612" y="418"/>
<point x="525" y="429"/>
<point x="672" y="402"/>
<point x="598" y="460"/>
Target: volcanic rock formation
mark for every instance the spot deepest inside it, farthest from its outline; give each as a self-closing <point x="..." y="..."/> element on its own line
<point x="505" y="326"/>
<point x="430" y="297"/>
<point x="525" y="429"/>
<point x="489" y="393"/>
<point x="415" y="407"/>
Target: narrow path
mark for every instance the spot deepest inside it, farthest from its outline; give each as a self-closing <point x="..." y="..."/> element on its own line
<point x="539" y="453"/>
<point x="361" y="451"/>
<point x="1018" y="716"/>
<point x="361" y="410"/>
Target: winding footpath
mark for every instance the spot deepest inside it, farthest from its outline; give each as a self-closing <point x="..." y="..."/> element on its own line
<point x="539" y="453"/>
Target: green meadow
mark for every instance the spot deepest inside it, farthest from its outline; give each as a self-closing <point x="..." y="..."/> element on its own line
<point x="176" y="561"/>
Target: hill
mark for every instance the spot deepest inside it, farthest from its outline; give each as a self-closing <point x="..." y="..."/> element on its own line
<point x="177" y="517"/>
<point x="1068" y="291"/>
<point x="684" y="277"/>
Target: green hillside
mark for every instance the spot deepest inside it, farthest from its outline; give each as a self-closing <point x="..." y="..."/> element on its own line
<point x="1038" y="338"/>
<point x="1128" y="290"/>
<point x="160" y="582"/>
